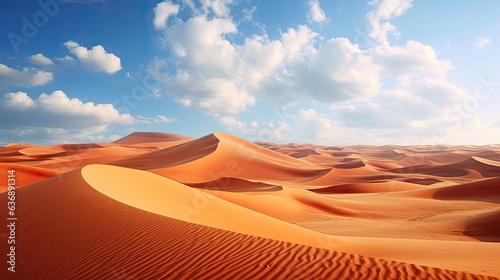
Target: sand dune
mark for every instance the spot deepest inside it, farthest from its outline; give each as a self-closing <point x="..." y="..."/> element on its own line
<point x="25" y="175"/>
<point x="237" y="158"/>
<point x="42" y="151"/>
<point x="236" y="185"/>
<point x="152" y="139"/>
<point x="484" y="190"/>
<point x="165" y="206"/>
<point x="162" y="196"/>
<point x="146" y="137"/>
<point x="485" y="226"/>
<point x="173" y="156"/>
<point x="79" y="233"/>
<point x="368" y="188"/>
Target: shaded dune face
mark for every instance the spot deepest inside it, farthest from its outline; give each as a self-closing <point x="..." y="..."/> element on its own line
<point x="165" y="206"/>
<point x="235" y="185"/>
<point x="234" y="157"/>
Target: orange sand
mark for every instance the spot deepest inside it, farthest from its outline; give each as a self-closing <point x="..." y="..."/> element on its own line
<point x="165" y="206"/>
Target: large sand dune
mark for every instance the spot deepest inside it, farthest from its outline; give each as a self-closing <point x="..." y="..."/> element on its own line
<point x="165" y="206"/>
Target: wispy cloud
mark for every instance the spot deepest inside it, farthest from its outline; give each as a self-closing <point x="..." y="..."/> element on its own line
<point x="384" y="11"/>
<point x="481" y="42"/>
<point x="316" y="14"/>
<point x="157" y="119"/>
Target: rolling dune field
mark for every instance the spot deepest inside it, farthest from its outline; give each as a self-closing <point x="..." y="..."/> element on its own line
<point x="165" y="206"/>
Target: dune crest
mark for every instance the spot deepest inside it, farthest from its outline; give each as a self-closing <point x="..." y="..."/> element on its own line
<point x="159" y="195"/>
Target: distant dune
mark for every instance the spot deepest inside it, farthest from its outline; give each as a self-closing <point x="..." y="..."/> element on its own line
<point x="165" y="206"/>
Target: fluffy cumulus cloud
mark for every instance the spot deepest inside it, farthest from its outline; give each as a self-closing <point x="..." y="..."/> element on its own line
<point x="26" y="77"/>
<point x="414" y="58"/>
<point x="408" y="105"/>
<point x="274" y="130"/>
<point x="388" y="9"/>
<point x="95" y="59"/>
<point x="40" y="59"/>
<point x="424" y="99"/>
<point x="316" y="14"/>
<point x="19" y="100"/>
<point x="379" y="18"/>
<point x="56" y="118"/>
<point x="162" y="12"/>
<point x="215" y="74"/>
<point x="205" y="72"/>
<point x="338" y="71"/>
<point x="232" y="123"/>
<point x="211" y="70"/>
<point x="57" y="110"/>
<point x="317" y="126"/>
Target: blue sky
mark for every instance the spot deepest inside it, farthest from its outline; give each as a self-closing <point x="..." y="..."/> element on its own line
<point x="326" y="72"/>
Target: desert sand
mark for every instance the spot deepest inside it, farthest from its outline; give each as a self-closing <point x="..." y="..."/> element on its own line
<point x="165" y="206"/>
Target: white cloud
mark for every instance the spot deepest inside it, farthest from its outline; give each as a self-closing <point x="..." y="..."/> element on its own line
<point x="26" y="77"/>
<point x="40" y="59"/>
<point x="338" y="71"/>
<point x="298" y="42"/>
<point x="280" y="126"/>
<point x="317" y="127"/>
<point x="369" y="115"/>
<point x="389" y="9"/>
<point x="24" y="132"/>
<point x="65" y="59"/>
<point x="481" y="42"/>
<point x="157" y="119"/>
<point x="384" y="11"/>
<point x="163" y="119"/>
<point x="96" y="58"/>
<point x="218" y="7"/>
<point x="316" y="14"/>
<point x="56" y="118"/>
<point x="224" y="77"/>
<point x="18" y="100"/>
<point x="414" y="58"/>
<point x="206" y="74"/>
<point x="424" y="99"/>
<point x="57" y="110"/>
<point x="217" y="75"/>
<point x="162" y="12"/>
<point x="231" y="122"/>
<point x="190" y="4"/>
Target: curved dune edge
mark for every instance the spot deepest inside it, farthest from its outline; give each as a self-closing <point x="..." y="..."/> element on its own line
<point x="487" y="161"/>
<point x="159" y="195"/>
<point x="42" y="150"/>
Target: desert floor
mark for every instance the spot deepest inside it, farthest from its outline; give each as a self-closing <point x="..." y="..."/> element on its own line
<point x="165" y="206"/>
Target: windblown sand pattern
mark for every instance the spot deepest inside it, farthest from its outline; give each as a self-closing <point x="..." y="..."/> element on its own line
<point x="165" y="206"/>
